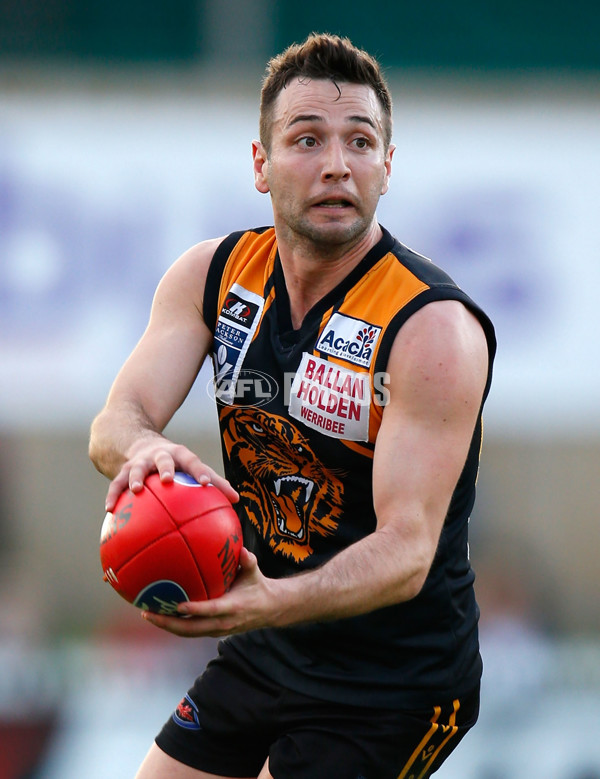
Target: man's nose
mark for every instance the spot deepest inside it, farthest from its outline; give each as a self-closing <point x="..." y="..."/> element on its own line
<point x="335" y="165"/>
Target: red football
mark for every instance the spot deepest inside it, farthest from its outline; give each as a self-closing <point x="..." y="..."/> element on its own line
<point x="172" y="542"/>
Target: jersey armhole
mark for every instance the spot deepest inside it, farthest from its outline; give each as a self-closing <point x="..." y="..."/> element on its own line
<point x="440" y="292"/>
<point x="213" y="278"/>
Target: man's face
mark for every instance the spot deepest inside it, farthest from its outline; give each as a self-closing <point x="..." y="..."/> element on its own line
<point x="328" y="165"/>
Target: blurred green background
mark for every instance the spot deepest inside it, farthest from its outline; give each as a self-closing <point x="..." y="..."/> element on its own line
<point x="464" y="34"/>
<point x="125" y="133"/>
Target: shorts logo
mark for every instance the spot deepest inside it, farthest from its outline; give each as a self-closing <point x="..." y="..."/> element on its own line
<point x="186" y="714"/>
<point x="349" y="339"/>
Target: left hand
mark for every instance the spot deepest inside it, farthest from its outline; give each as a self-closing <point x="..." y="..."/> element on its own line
<point x="249" y="604"/>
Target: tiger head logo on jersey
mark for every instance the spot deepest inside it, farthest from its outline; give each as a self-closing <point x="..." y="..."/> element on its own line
<point x="289" y="496"/>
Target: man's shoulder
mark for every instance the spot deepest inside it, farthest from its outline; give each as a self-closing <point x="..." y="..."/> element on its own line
<point x="250" y="238"/>
<point x="426" y="269"/>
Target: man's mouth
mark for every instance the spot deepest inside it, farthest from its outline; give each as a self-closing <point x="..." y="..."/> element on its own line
<point x="334" y="203"/>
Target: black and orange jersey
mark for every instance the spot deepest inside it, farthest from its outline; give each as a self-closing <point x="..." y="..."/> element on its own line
<point x="299" y="412"/>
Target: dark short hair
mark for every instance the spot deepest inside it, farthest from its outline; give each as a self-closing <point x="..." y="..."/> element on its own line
<point x="322" y="56"/>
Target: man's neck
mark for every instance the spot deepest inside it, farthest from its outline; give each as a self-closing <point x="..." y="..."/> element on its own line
<point x="310" y="273"/>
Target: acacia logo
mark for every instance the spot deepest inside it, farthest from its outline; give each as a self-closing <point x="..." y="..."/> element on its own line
<point x="350" y="339"/>
<point x="248" y="388"/>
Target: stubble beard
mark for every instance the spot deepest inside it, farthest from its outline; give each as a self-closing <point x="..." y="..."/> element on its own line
<point x="329" y="238"/>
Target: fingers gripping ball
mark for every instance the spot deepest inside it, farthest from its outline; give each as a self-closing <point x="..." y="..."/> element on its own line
<point x="169" y="543"/>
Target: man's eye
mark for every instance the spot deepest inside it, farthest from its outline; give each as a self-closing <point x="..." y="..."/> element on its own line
<point x="307" y="143"/>
<point x="361" y="143"/>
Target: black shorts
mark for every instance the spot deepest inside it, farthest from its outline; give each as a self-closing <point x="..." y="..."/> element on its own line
<point x="233" y="719"/>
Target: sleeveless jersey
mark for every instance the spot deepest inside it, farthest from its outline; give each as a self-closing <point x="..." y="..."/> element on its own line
<point x="299" y="412"/>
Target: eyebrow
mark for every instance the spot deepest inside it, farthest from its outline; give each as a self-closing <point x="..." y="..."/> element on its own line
<point x="316" y="118"/>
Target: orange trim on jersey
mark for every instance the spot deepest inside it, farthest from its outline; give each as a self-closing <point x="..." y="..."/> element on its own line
<point x="376" y="302"/>
<point x="250" y="264"/>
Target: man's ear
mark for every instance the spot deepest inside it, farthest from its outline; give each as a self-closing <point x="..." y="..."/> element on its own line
<point x="260" y="164"/>
<point x="388" y="168"/>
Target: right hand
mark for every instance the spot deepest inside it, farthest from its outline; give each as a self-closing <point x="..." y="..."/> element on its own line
<point x="159" y="455"/>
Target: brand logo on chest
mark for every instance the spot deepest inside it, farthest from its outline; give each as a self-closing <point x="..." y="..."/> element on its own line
<point x="349" y="339"/>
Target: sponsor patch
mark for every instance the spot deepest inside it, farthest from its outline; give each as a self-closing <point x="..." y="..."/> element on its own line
<point x="186" y="714"/>
<point x="349" y="339"/>
<point x="332" y="399"/>
<point x="236" y="325"/>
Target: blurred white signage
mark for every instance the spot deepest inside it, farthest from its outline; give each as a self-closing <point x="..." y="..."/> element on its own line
<point x="98" y="195"/>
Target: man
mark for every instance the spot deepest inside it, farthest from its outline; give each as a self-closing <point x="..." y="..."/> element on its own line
<point x="352" y="626"/>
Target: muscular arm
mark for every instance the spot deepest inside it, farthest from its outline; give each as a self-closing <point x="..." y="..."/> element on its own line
<point x="126" y="441"/>
<point x="438" y="371"/>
